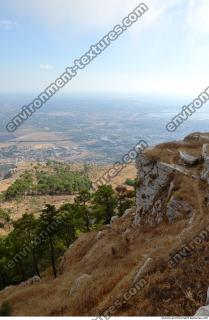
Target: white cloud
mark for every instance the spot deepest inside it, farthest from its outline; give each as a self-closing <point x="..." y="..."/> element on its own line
<point x="198" y="14"/>
<point x="87" y="15"/>
<point x="46" y="66"/>
<point x="7" y="24"/>
<point x="81" y="13"/>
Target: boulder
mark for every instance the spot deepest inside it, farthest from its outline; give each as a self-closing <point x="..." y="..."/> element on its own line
<point x="35" y="279"/>
<point x="128" y="212"/>
<point x="142" y="270"/>
<point x="114" y="218"/>
<point x="189" y="159"/>
<point x="204" y="311"/>
<point x="99" y="235"/>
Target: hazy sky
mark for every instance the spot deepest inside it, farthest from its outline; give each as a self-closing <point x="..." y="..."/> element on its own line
<point x="166" y="51"/>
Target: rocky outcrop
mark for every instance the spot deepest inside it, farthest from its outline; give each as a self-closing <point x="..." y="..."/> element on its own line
<point x="154" y="183"/>
<point x="154" y="195"/>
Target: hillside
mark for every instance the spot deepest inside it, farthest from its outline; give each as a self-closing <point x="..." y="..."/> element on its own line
<point x="139" y="264"/>
<point x="34" y="204"/>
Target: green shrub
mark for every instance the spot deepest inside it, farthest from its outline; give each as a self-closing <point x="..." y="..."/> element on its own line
<point x="5" y="309"/>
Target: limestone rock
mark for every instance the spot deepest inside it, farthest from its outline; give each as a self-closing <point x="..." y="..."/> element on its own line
<point x="171" y="188"/>
<point x="207" y="299"/>
<point x="205" y="152"/>
<point x="202" y="312"/>
<point x="128" y="212"/>
<point x="8" y="288"/>
<point x="205" y="155"/>
<point x="142" y="270"/>
<point x="99" y="235"/>
<point x="193" y="136"/>
<point x="189" y="159"/>
<point x="177" y="209"/>
<point x="31" y="281"/>
<point x="154" y="179"/>
<point x="114" y="218"/>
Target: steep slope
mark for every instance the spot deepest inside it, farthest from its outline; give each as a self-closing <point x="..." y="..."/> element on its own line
<point x="163" y="243"/>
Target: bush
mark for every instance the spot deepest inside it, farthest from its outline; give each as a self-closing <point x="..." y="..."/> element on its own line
<point x="5" y="309"/>
<point x="130" y="182"/>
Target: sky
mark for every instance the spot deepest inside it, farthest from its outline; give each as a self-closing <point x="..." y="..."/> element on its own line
<point x="165" y="52"/>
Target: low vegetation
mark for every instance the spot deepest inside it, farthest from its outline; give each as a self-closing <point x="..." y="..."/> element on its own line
<point x="56" y="180"/>
<point x="5" y="309"/>
<point x="35" y="243"/>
